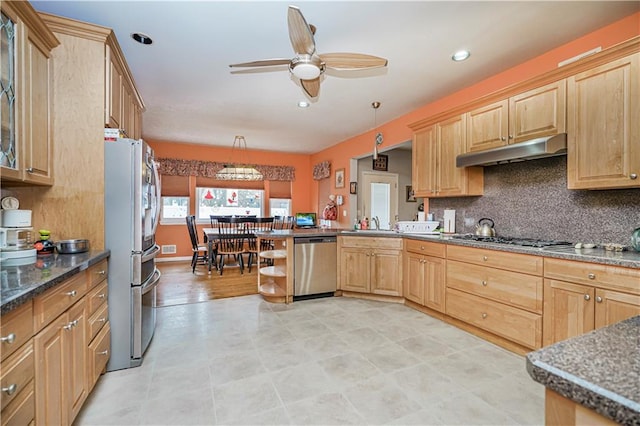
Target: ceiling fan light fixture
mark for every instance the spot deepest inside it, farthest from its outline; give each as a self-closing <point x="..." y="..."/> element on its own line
<point x="305" y="71"/>
<point x="460" y="55"/>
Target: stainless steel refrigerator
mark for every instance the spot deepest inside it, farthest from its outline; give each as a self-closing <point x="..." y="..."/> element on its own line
<point x="132" y="205"/>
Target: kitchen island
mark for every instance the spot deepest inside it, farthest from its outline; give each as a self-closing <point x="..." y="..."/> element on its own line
<point x="599" y="371"/>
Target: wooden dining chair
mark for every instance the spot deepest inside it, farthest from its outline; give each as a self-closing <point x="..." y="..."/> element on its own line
<point x="200" y="251"/>
<point x="231" y="239"/>
<point x="253" y="226"/>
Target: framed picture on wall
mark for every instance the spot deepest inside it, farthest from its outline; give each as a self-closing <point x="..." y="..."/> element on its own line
<point x="353" y="187"/>
<point x="381" y="163"/>
<point x="411" y="196"/>
<point x="340" y="178"/>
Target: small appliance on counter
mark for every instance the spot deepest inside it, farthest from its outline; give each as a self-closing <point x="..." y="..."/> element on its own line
<point x="16" y="244"/>
<point x="417" y="227"/>
<point x="449" y="220"/>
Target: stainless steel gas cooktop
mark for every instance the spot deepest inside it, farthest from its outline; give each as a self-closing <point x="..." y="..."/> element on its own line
<point x="526" y="242"/>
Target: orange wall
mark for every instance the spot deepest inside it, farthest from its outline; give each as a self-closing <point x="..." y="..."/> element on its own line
<point x="300" y="193"/>
<point x="397" y="131"/>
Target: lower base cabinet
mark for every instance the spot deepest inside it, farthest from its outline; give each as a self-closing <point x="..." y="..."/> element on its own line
<point x="370" y="265"/>
<point x="424" y="272"/>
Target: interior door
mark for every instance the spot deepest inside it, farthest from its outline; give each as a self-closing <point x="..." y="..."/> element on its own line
<point x="380" y="198"/>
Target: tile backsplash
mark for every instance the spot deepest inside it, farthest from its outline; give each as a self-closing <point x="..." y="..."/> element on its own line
<point x="531" y="199"/>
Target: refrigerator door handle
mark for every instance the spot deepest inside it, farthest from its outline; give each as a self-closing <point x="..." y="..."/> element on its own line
<point x="148" y="286"/>
<point x="147" y="256"/>
<point x="157" y="197"/>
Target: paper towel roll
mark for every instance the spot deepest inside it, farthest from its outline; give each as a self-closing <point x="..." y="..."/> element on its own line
<point x="449" y="221"/>
<point x="421" y="216"/>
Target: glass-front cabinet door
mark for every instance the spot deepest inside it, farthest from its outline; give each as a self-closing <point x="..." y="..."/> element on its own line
<point x="7" y="94"/>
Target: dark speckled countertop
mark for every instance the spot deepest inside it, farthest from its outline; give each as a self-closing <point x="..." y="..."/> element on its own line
<point x="629" y="259"/>
<point x="19" y="284"/>
<point x="599" y="370"/>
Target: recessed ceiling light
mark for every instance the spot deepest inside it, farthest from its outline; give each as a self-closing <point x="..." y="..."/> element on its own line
<point x="141" y="38"/>
<point x="461" y="55"/>
<point x="303" y="104"/>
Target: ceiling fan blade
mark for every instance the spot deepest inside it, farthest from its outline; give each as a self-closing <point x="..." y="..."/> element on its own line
<point x="263" y="63"/>
<point x="300" y="33"/>
<point x="312" y="87"/>
<point x="352" y="61"/>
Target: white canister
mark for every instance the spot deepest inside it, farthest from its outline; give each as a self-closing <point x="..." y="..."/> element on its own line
<point x="449" y="221"/>
<point x="16" y="218"/>
<point x="421" y="217"/>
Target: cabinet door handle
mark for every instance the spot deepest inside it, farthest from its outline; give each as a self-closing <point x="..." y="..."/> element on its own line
<point x="633" y="176"/>
<point x="598" y="299"/>
<point x="10" y="338"/>
<point x="101" y="296"/>
<point x="101" y="272"/>
<point x="484" y="315"/>
<point x="484" y="283"/>
<point x="11" y="389"/>
<point x="105" y="352"/>
<point x="587" y="297"/>
<point x="30" y="170"/>
<point x="485" y="258"/>
<point x="502" y="138"/>
<point x="102" y="320"/>
<point x="421" y="247"/>
<point x="71" y="293"/>
<point x="510" y="136"/>
<point x="592" y="276"/>
<point x="68" y="327"/>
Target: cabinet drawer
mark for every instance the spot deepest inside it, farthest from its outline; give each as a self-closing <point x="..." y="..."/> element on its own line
<point x="612" y="277"/>
<point x="56" y="300"/>
<point x="99" y="352"/>
<point x="511" y="323"/>
<point x="372" y="242"/>
<point x="513" y="288"/>
<point x="97" y="320"/>
<point x="22" y="409"/>
<point x="425" y="248"/>
<point x="16" y="327"/>
<point x="97" y="297"/>
<point x="97" y="273"/>
<point x="497" y="259"/>
<point x="17" y="372"/>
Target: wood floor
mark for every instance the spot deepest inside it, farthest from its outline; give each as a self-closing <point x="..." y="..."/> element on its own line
<point x="179" y="286"/>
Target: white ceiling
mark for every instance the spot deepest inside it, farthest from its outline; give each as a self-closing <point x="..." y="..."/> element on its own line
<point x="191" y="95"/>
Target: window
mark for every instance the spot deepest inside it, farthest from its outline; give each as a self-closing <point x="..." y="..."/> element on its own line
<point x="228" y="201"/>
<point x="279" y="207"/>
<point x="174" y="209"/>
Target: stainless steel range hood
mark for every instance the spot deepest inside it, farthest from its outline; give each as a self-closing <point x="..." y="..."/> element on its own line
<point x="550" y="146"/>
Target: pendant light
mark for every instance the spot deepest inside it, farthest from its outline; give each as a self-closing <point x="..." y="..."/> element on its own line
<point x="378" y="139"/>
<point x="236" y="170"/>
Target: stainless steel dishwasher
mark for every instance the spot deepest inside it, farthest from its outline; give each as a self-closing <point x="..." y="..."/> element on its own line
<point x="315" y="267"/>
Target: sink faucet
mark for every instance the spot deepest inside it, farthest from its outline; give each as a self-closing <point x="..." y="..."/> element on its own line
<point x="376" y="220"/>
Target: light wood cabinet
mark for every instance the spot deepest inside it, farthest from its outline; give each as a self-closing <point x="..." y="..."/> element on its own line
<point x="434" y="172"/>
<point x="496" y="291"/>
<point x="29" y="160"/>
<point x="580" y="297"/>
<point x="532" y="114"/>
<point x="424" y="272"/>
<point x="603" y="133"/>
<point x="121" y="107"/>
<point x="370" y="265"/>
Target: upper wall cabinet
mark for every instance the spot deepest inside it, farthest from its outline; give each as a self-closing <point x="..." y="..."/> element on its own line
<point x="533" y="114"/>
<point x="26" y="96"/>
<point x="434" y="162"/>
<point x="91" y="54"/>
<point x="603" y="121"/>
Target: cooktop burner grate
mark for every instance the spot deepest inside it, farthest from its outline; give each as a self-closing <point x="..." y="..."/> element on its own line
<point x="527" y="242"/>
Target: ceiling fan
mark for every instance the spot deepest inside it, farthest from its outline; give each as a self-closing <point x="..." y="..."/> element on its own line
<point x="308" y="65"/>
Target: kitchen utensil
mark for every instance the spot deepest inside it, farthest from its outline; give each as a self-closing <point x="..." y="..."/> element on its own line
<point x="484" y="229"/>
<point x="72" y="246"/>
<point x="635" y="239"/>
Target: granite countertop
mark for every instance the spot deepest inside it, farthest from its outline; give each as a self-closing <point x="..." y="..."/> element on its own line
<point x="599" y="370"/>
<point x="629" y="259"/>
<point x="19" y="284"/>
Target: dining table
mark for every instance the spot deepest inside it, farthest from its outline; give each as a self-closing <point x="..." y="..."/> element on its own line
<point x="212" y="236"/>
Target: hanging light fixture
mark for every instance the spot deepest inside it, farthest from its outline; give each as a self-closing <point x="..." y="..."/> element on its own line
<point x="235" y="170"/>
<point x="378" y="139"/>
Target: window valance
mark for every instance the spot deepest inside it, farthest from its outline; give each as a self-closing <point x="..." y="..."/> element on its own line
<point x="322" y="170"/>
<point x="180" y="167"/>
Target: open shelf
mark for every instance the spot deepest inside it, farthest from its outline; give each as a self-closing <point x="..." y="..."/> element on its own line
<point x="274" y="271"/>
<point x="272" y="292"/>
<point x="274" y="254"/>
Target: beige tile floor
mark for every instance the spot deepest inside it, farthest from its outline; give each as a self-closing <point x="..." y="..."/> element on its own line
<point x="333" y="361"/>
